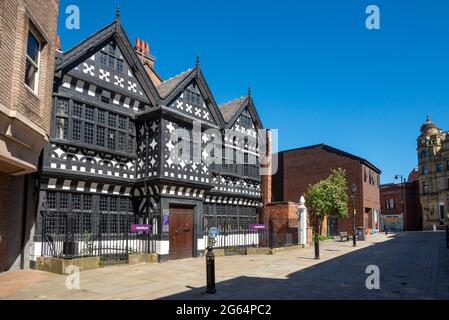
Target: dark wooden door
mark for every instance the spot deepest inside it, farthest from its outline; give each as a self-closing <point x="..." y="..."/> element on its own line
<point x="181" y="233"/>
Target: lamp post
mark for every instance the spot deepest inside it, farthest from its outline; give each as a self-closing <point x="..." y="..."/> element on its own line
<point x="403" y="204"/>
<point x="354" y="239"/>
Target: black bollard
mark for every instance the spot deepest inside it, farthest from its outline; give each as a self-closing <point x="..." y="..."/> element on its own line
<point x="317" y="248"/>
<point x="447" y="236"/>
<point x="386" y="230"/>
<point x="210" y="271"/>
<point x="354" y="237"/>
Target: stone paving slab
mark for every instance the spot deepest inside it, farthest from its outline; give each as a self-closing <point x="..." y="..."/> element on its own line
<point x="412" y="266"/>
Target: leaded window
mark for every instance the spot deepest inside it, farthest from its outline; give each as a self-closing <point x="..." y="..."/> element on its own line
<point x="103" y="59"/>
<point x="103" y="203"/>
<point x="51" y="200"/>
<point x="62" y="128"/>
<point x="64" y="201"/>
<point x="87" y="202"/>
<point x="76" y="201"/>
<point x="101" y="116"/>
<point x="62" y="107"/>
<point x="113" y="204"/>
<point x="77" y="110"/>
<point x="100" y="136"/>
<point x="111" y="139"/>
<point x="90" y="113"/>
<point x="88" y="133"/>
<point x="119" y="66"/>
<point x="112" y="120"/>
<point x="124" y="205"/>
<point x="122" y="141"/>
<point x="122" y="120"/>
<point x="76" y="131"/>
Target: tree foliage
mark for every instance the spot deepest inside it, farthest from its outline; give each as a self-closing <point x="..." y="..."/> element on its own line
<point x="329" y="197"/>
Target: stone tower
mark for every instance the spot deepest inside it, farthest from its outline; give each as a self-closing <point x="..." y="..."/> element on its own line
<point x="433" y="162"/>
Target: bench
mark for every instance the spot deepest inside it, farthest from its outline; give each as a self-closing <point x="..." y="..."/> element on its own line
<point x="344" y="235"/>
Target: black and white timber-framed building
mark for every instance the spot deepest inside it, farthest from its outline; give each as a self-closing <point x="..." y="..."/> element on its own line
<point x="109" y="161"/>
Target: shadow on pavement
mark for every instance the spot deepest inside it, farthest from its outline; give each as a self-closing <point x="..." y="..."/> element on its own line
<point x="409" y="266"/>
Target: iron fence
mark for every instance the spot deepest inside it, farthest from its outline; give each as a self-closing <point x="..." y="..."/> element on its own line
<point x="235" y="237"/>
<point x="73" y="234"/>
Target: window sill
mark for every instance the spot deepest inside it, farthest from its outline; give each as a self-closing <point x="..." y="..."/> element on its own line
<point x="31" y="91"/>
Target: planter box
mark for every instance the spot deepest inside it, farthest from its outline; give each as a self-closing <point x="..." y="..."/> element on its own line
<point x="258" y="251"/>
<point x="218" y="252"/>
<point x="285" y="249"/>
<point x="143" y="258"/>
<point x="59" y="266"/>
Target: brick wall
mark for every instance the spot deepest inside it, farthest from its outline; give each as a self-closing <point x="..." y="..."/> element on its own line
<point x="304" y="167"/>
<point x="5" y="187"/>
<point x="17" y="17"/>
<point x="413" y="213"/>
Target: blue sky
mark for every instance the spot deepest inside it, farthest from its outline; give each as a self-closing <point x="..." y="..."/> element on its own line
<point x="316" y="73"/>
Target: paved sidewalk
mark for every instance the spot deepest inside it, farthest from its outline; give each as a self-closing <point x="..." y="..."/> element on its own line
<point x="412" y="266"/>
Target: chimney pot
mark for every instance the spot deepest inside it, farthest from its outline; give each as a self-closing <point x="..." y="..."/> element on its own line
<point x="58" y="43"/>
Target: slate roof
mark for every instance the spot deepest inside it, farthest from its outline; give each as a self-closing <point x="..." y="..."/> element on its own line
<point x="229" y="109"/>
<point x="337" y="151"/>
<point x="166" y="87"/>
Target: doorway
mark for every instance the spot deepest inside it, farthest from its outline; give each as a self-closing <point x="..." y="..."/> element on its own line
<point x="181" y="233"/>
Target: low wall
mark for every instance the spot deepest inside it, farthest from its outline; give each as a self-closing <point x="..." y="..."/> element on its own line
<point x="60" y="266"/>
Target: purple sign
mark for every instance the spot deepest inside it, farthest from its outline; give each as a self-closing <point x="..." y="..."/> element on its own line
<point x="140" y="227"/>
<point x="258" y="227"/>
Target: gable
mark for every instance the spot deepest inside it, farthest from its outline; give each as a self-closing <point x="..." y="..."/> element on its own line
<point x="108" y="67"/>
<point x="192" y="103"/>
<point x="106" y="59"/>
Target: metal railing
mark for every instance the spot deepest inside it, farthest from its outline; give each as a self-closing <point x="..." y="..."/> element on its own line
<point x="73" y="234"/>
<point x="234" y="238"/>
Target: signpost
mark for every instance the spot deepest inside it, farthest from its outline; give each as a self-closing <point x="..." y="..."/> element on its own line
<point x="210" y="260"/>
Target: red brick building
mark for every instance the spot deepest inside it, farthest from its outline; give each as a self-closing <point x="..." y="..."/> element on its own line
<point x="300" y="168"/>
<point x="28" y="44"/>
<point x="400" y="204"/>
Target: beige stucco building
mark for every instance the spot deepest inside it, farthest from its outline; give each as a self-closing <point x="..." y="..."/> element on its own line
<point x="433" y="159"/>
<point x="27" y="54"/>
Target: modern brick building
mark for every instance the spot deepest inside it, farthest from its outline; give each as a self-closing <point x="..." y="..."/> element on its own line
<point x="302" y="167"/>
<point x="27" y="51"/>
<point x="433" y="163"/>
<point x="400" y="207"/>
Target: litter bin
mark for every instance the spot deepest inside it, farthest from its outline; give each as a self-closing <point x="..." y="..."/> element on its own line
<point x="361" y="233"/>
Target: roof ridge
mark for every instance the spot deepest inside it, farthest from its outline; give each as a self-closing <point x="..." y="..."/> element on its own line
<point x="233" y="100"/>
<point x="177" y="75"/>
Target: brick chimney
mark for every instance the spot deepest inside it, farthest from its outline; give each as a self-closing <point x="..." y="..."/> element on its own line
<point x="58" y="43"/>
<point x="142" y="49"/>
<point x="267" y="195"/>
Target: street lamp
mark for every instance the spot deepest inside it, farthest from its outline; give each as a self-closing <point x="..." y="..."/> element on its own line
<point x="354" y="190"/>
<point x="403" y="199"/>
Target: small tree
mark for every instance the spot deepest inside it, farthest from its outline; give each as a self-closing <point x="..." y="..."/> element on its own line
<point x="327" y="198"/>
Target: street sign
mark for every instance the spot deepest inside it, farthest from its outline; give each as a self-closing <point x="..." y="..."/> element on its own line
<point x="257" y="227"/>
<point x="140" y="227"/>
<point x="214" y="232"/>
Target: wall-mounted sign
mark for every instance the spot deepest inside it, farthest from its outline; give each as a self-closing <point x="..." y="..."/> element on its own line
<point x="140" y="228"/>
<point x="257" y="227"/>
<point x="213" y="232"/>
<point x="166" y="220"/>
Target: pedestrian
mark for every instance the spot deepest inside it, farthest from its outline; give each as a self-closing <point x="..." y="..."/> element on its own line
<point x="386" y="229"/>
